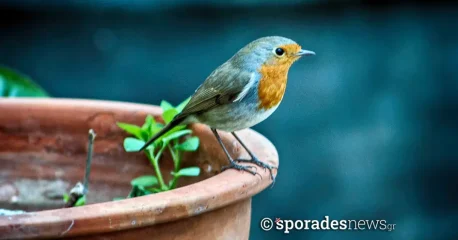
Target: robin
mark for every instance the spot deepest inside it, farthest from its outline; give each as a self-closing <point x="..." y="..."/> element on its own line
<point x="241" y="93"/>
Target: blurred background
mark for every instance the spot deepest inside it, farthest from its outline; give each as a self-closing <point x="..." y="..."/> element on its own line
<point x="367" y="129"/>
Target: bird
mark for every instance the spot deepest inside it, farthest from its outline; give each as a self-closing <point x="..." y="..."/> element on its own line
<point x="240" y="93"/>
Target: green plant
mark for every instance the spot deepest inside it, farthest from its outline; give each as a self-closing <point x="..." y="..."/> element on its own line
<point x="79" y="202"/>
<point x="15" y="84"/>
<point x="170" y="141"/>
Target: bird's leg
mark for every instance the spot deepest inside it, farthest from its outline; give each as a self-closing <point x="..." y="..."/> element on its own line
<point x="254" y="159"/>
<point x="232" y="164"/>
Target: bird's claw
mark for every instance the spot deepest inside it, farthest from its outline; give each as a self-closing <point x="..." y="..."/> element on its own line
<point x="239" y="167"/>
<point x="261" y="164"/>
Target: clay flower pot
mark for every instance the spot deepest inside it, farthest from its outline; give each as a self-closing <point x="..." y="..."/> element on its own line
<point x="43" y="147"/>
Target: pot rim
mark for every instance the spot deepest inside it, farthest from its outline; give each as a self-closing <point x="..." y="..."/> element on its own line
<point x="215" y="192"/>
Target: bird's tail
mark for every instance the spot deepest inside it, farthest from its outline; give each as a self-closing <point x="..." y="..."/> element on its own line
<point x="176" y="121"/>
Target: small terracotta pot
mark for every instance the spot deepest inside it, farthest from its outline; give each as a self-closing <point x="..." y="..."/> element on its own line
<point x="43" y="147"/>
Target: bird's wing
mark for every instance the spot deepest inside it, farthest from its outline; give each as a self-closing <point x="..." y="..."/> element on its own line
<point x="225" y="85"/>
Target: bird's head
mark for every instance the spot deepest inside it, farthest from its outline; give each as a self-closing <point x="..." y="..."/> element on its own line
<point x="272" y="51"/>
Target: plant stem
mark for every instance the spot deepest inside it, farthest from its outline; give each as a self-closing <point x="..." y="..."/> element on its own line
<point x="155" y="162"/>
<point x="174" y="182"/>
<point x="80" y="189"/>
<point x="88" y="160"/>
<point x="177" y="162"/>
<point x="174" y="157"/>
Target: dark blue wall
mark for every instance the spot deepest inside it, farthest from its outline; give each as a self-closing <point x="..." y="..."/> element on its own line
<point x="367" y="129"/>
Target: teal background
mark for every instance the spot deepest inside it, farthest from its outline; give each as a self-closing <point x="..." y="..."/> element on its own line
<point x="367" y="128"/>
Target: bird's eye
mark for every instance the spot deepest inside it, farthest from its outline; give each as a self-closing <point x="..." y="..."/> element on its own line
<point x="279" y="51"/>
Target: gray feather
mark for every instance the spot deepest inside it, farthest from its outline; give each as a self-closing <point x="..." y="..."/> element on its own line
<point x="223" y="86"/>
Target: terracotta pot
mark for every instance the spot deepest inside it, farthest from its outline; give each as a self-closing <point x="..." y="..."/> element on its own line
<point x="43" y="147"/>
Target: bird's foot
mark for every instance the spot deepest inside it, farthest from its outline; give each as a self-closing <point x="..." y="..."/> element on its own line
<point x="261" y="164"/>
<point x="239" y="167"/>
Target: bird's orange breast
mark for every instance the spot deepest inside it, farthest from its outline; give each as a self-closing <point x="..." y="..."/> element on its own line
<point x="272" y="85"/>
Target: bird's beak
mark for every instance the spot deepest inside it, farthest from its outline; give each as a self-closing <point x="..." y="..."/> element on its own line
<point x="305" y="53"/>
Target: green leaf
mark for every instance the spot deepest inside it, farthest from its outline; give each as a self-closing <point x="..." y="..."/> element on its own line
<point x="181" y="106"/>
<point x="155" y="128"/>
<point x="144" y="181"/>
<point x="149" y="128"/>
<point x="156" y="190"/>
<point x="118" y="198"/>
<point x="133" y="144"/>
<point x="133" y="192"/>
<point x="191" y="144"/>
<point x="166" y="106"/>
<point x="169" y="115"/>
<point x="81" y="201"/>
<point x="66" y="197"/>
<point x="188" y="172"/>
<point x="175" y="129"/>
<point x="138" y="191"/>
<point x="132" y="129"/>
<point x="175" y="135"/>
<point x="149" y="120"/>
<point x="14" y="84"/>
<point x="142" y="191"/>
